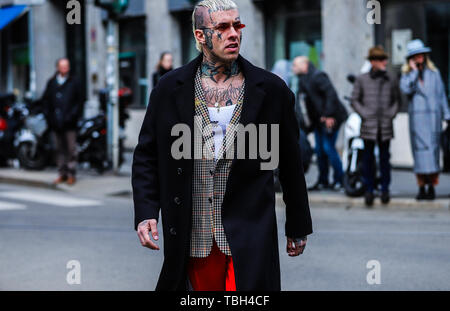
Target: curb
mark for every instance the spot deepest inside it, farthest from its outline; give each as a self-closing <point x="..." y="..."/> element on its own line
<point x="314" y="199"/>
<point x="29" y="182"/>
<point x="343" y="200"/>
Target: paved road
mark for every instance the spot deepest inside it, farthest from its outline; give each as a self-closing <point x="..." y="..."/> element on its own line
<point x="42" y="230"/>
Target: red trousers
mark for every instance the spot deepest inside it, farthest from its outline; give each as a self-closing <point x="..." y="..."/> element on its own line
<point x="212" y="273"/>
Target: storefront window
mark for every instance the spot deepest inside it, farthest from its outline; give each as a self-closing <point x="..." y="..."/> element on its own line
<point x="15" y="58"/>
<point x="132" y="58"/>
<point x="293" y="28"/>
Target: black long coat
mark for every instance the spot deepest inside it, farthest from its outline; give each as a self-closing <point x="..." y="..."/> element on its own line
<point x="248" y="209"/>
<point x="321" y="97"/>
<point x="63" y="104"/>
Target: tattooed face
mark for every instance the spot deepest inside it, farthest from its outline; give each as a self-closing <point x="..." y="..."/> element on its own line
<point x="220" y="32"/>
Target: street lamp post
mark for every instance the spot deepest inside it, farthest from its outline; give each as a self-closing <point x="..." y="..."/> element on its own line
<point x="112" y="81"/>
<point x="114" y="8"/>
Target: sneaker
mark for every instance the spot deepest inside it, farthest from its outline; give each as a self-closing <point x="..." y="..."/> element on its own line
<point x="60" y="180"/>
<point x="71" y="180"/>
<point x="368" y="198"/>
<point x="318" y="186"/>
<point x="431" y="194"/>
<point x="337" y="186"/>
<point x="421" y="195"/>
<point x="385" y="197"/>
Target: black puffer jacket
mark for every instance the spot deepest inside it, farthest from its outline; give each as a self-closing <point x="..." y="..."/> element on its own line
<point x="321" y="98"/>
<point x="63" y="104"/>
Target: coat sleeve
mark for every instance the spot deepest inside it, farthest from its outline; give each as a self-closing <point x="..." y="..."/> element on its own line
<point x="408" y="82"/>
<point x="394" y="108"/>
<point x="76" y="111"/>
<point x="357" y="95"/>
<point x="292" y="179"/>
<point x="144" y="176"/>
<point x="325" y="86"/>
<point x="45" y="100"/>
<point x="442" y="98"/>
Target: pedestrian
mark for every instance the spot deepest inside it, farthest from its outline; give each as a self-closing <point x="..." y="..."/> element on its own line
<point x="164" y="65"/>
<point x="326" y="114"/>
<point x="282" y="68"/>
<point x="375" y="98"/>
<point x="428" y="107"/>
<point x="219" y="224"/>
<point x="63" y="106"/>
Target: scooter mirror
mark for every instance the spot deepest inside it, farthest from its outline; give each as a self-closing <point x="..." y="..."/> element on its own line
<point x="351" y="78"/>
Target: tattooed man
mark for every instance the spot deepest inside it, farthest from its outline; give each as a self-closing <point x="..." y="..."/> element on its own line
<point x="219" y="224"/>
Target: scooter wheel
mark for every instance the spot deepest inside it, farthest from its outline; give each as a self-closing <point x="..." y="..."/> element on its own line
<point x="354" y="185"/>
<point x="28" y="160"/>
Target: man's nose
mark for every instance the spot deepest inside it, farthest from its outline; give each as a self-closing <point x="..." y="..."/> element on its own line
<point x="233" y="32"/>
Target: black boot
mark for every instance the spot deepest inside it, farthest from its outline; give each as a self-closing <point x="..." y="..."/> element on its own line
<point x="421" y="195"/>
<point x="368" y="198"/>
<point x="431" y="194"/>
<point x="385" y="197"/>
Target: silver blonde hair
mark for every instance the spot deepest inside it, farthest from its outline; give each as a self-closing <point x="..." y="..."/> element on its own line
<point x="213" y="6"/>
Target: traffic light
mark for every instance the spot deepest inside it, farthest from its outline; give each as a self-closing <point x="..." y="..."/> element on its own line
<point x="114" y="7"/>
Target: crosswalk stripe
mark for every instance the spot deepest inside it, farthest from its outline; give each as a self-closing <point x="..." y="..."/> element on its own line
<point x="7" y="206"/>
<point x="45" y="198"/>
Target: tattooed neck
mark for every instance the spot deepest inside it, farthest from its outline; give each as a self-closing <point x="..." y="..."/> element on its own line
<point x="213" y="70"/>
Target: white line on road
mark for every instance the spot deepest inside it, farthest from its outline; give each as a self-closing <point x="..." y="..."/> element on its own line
<point x="7" y="206"/>
<point x="45" y="198"/>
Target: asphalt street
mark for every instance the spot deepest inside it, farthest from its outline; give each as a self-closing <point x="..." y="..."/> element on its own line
<point x="41" y="231"/>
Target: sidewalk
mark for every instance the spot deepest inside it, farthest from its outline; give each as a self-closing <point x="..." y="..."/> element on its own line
<point x="403" y="192"/>
<point x="90" y="183"/>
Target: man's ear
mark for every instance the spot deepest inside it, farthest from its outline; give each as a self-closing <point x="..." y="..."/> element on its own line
<point x="200" y="36"/>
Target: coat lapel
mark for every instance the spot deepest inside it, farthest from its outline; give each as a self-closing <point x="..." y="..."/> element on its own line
<point x="184" y="94"/>
<point x="254" y="94"/>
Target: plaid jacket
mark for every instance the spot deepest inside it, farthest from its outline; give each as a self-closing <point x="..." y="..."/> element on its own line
<point x="209" y="178"/>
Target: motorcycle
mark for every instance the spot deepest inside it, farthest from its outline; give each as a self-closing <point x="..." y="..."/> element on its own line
<point x="91" y="142"/>
<point x="92" y="133"/>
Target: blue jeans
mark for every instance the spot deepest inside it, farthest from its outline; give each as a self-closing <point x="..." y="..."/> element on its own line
<point x="327" y="154"/>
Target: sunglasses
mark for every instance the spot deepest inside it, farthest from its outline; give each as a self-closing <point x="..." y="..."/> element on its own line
<point x="222" y="27"/>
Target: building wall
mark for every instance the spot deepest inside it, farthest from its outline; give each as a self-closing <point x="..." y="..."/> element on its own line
<point x="48" y="31"/>
<point x="347" y="38"/>
<point x="253" y="41"/>
<point x="95" y="57"/>
<point x="162" y="34"/>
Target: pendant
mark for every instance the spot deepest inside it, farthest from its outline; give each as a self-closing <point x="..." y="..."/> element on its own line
<point x="217" y="106"/>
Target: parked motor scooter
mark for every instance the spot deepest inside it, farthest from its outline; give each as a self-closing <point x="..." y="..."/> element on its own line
<point x="32" y="140"/>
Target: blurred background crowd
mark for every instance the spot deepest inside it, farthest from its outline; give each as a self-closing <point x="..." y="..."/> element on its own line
<point x="330" y="42"/>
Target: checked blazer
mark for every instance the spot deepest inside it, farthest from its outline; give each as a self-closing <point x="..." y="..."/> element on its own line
<point x="209" y="177"/>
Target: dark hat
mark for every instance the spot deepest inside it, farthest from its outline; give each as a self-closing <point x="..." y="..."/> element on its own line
<point x="377" y="53"/>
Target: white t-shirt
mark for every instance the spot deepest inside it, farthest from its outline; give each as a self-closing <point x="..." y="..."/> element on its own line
<point x="220" y="120"/>
<point x="60" y="79"/>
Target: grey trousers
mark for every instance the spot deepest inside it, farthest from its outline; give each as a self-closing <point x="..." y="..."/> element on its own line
<point x="66" y="152"/>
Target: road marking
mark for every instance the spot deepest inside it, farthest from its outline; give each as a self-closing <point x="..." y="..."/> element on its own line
<point x="45" y="198"/>
<point x="8" y="206"/>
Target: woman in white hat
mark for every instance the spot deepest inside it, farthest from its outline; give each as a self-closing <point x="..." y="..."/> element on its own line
<point x="428" y="106"/>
